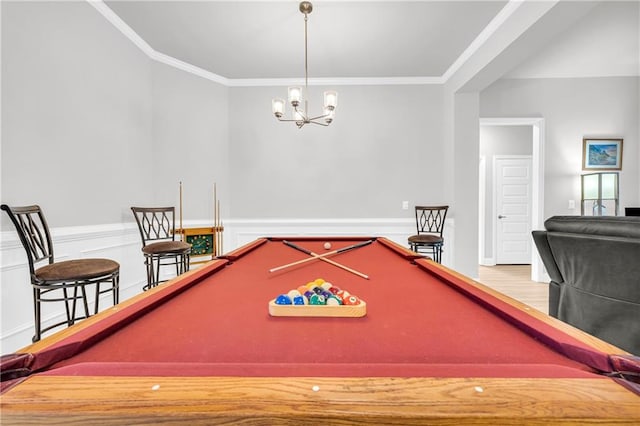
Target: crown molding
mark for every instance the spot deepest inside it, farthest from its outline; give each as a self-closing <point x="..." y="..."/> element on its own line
<point x="125" y="29"/>
<point x="184" y="66"/>
<point x="128" y="32"/>
<point x="335" y="81"/>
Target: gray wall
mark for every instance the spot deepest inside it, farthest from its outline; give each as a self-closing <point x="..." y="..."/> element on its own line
<point x="190" y="142"/>
<point x="573" y="109"/>
<point x="76" y="114"/>
<point x="385" y="146"/>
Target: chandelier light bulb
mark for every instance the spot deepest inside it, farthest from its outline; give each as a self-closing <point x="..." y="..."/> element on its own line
<point x="277" y="106"/>
<point x="330" y="99"/>
<point x="295" y="96"/>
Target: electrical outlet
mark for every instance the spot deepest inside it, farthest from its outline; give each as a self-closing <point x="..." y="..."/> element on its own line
<point x="572" y="204"/>
<point x="405" y="205"/>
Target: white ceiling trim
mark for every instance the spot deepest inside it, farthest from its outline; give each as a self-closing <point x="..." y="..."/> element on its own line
<point x="510" y="121"/>
<point x="128" y="32"/>
<point x="184" y="66"/>
<point x="122" y="26"/>
<point x="484" y="35"/>
<point x="344" y="81"/>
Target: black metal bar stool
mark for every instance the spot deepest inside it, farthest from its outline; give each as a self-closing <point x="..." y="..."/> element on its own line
<point x="157" y="229"/>
<point x="65" y="281"/>
<point x="429" y="225"/>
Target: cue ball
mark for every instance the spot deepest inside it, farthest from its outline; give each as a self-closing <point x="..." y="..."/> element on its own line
<point x="327" y="246"/>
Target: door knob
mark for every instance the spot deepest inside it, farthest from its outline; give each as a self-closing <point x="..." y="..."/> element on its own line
<point x="501" y="217"/>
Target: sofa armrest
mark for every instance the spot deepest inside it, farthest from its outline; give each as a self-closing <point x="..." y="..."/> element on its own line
<point x="542" y="244"/>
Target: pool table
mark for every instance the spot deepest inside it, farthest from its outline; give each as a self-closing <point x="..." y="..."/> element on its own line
<point x="434" y="347"/>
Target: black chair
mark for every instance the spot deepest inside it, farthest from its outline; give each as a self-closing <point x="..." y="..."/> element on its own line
<point x="429" y="225"/>
<point x="65" y="281"/>
<point x="157" y="229"/>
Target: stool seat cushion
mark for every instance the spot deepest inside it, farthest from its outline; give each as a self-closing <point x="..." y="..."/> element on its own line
<point x="425" y="239"/>
<point x="76" y="270"/>
<point x="162" y="247"/>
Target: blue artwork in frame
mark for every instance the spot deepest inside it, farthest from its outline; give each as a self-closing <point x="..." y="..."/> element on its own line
<point x="601" y="154"/>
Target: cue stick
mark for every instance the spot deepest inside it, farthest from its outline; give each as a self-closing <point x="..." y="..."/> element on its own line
<point x="324" y="259"/>
<point x="219" y="225"/>
<point x="331" y="253"/>
<point x="215" y="221"/>
<point x="182" y="237"/>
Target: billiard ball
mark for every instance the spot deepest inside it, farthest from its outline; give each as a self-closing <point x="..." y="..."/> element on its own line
<point x="327" y="246"/>
<point x="334" y="300"/>
<point x="351" y="300"/>
<point x="317" y="299"/>
<point x="299" y="300"/>
<point x="283" y="299"/>
<point x="293" y="293"/>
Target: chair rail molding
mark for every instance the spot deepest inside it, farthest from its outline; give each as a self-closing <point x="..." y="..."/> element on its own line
<point x="121" y="242"/>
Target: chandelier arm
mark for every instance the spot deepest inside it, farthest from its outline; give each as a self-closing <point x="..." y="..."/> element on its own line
<point x="319" y="124"/>
<point x="288" y="119"/>
<point x="319" y="117"/>
<point x="302" y="113"/>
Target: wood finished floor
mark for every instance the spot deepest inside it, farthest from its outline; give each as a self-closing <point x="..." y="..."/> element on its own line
<point x="515" y="281"/>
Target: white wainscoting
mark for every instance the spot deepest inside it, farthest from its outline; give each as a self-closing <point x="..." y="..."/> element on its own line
<point x="239" y="232"/>
<point x="121" y="242"/>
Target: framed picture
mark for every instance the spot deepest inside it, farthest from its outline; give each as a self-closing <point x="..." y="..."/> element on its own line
<point x="601" y="154"/>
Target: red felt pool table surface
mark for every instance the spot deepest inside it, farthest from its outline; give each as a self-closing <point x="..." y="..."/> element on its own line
<point x="433" y="346"/>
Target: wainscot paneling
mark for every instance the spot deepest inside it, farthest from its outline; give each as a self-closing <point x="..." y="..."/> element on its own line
<point x="239" y="232"/>
<point x="121" y="242"/>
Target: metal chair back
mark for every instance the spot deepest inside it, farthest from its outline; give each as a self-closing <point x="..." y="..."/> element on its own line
<point x="33" y="231"/>
<point x="155" y="223"/>
<point x="430" y="219"/>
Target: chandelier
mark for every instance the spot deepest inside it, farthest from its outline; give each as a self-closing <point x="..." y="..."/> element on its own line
<point x="302" y="116"/>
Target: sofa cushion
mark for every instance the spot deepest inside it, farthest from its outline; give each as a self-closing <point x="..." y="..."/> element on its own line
<point x="614" y="226"/>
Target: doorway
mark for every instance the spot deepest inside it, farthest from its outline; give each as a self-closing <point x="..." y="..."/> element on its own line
<point x="487" y="234"/>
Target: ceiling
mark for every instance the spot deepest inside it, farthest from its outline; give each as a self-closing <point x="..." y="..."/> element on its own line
<point x="347" y="39"/>
<point x="260" y="40"/>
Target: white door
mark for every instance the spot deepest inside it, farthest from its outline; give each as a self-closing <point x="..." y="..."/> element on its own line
<point x="513" y="210"/>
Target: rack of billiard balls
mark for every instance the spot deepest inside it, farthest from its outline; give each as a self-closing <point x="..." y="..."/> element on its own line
<point x="317" y="298"/>
<point x="317" y="292"/>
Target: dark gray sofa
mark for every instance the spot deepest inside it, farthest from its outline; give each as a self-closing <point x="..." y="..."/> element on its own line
<point x="594" y="265"/>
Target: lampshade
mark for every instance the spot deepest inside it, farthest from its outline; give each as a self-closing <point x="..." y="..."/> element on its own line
<point x="277" y="106"/>
<point x="295" y="95"/>
<point x="330" y="99"/>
